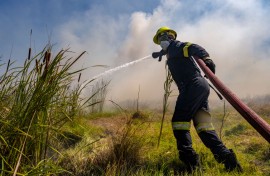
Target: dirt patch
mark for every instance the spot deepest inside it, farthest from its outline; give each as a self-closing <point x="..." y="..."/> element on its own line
<point x="110" y="125"/>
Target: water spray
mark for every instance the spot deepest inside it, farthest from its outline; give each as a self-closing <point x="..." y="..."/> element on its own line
<point x="113" y="70"/>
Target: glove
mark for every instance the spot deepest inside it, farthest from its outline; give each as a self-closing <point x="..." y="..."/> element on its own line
<point x="158" y="55"/>
<point x="155" y="55"/>
<point x="210" y="64"/>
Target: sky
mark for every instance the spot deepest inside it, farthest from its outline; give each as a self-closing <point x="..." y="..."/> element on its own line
<point x="115" y="32"/>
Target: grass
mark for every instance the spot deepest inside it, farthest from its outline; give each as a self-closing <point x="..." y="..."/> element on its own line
<point x="133" y="149"/>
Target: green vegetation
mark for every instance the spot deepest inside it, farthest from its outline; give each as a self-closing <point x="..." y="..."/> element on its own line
<point x="131" y="148"/>
<point x="36" y="101"/>
<point x="47" y="129"/>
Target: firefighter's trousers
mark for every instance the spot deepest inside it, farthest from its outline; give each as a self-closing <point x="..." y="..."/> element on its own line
<point x="192" y="104"/>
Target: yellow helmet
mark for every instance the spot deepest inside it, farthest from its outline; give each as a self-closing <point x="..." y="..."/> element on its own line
<point x="161" y="30"/>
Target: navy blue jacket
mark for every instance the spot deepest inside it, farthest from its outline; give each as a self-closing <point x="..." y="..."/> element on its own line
<point x="182" y="68"/>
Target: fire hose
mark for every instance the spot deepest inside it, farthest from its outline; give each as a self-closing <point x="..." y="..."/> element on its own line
<point x="253" y="119"/>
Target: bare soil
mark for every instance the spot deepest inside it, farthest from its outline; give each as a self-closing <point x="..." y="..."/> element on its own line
<point x="110" y="125"/>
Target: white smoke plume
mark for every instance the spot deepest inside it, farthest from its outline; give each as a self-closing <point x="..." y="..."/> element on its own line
<point x="235" y="33"/>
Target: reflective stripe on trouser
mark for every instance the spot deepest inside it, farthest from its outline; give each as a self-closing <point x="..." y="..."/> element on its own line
<point x="181" y="125"/>
<point x="204" y="127"/>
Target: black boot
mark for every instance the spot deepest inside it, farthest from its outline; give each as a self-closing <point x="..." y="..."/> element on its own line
<point x="192" y="161"/>
<point x="231" y="163"/>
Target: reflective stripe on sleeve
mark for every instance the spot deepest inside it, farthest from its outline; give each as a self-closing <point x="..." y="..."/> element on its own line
<point x="181" y="125"/>
<point x="204" y="127"/>
<point x="185" y="49"/>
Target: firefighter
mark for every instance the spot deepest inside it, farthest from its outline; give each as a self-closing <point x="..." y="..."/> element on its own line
<point x="192" y="102"/>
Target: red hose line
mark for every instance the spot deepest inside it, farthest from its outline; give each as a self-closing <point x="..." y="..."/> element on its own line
<point x="254" y="119"/>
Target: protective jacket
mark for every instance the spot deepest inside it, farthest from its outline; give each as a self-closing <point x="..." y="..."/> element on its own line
<point x="182" y="67"/>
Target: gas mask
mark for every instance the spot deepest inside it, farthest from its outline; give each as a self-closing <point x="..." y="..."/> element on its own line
<point x="164" y="45"/>
<point x="165" y="41"/>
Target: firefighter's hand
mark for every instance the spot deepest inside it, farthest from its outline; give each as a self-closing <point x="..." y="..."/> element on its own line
<point x="210" y="64"/>
<point x="155" y="55"/>
<point x="158" y="55"/>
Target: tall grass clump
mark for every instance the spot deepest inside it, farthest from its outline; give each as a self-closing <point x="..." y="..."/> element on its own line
<point x="35" y="102"/>
<point x="123" y="155"/>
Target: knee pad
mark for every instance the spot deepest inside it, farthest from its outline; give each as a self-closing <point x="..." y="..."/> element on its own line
<point x="203" y="121"/>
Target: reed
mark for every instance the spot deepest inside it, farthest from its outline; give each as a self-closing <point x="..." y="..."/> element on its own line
<point x="167" y="93"/>
<point x="35" y="102"/>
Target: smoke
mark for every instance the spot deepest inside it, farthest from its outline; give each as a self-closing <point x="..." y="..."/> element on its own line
<point x="235" y="33"/>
